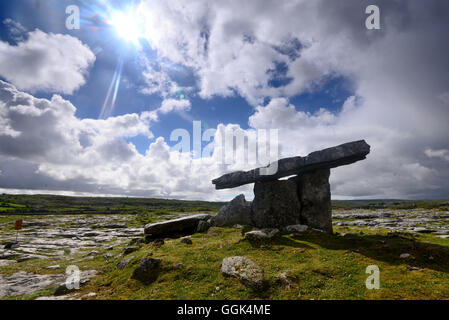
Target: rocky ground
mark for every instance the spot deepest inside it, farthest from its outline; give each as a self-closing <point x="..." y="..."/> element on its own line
<point x="57" y="240"/>
<point x="48" y="244"/>
<point x="415" y="221"/>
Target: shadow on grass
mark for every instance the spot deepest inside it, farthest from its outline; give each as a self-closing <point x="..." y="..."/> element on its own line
<point x="379" y="247"/>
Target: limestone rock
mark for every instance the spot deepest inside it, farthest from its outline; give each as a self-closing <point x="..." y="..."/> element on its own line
<point x="276" y="204"/>
<point x="285" y="279"/>
<point x="184" y="226"/>
<point x="325" y="159"/>
<point x="261" y="235"/>
<point x="249" y="273"/>
<point x="186" y="240"/>
<point x="129" y="250"/>
<point x="85" y="277"/>
<point x="11" y="245"/>
<point x="22" y="283"/>
<point x="296" y="228"/>
<point x="315" y="196"/>
<point x="203" y="226"/>
<point x="123" y="263"/>
<point x="238" y="211"/>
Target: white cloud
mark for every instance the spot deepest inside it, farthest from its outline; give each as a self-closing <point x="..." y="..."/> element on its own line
<point x="442" y="154"/>
<point x="46" y="62"/>
<point x="168" y="106"/>
<point x="16" y="30"/>
<point x="233" y="47"/>
<point x="55" y="150"/>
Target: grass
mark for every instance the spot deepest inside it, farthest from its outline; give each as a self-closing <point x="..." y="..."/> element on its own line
<point x="320" y="267"/>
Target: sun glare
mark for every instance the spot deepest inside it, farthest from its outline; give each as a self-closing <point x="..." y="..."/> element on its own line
<point x="127" y="25"/>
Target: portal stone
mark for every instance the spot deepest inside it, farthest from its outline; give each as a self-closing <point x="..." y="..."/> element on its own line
<point x="315" y="196"/>
<point x="276" y="204"/>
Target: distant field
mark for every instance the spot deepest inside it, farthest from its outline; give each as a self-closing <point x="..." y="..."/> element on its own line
<point x="390" y="204"/>
<point x="50" y="204"/>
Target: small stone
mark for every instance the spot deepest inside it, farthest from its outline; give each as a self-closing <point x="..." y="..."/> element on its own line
<point x="62" y="289"/>
<point x="122" y="264"/>
<point x="11" y="245"/>
<point x="405" y="256"/>
<point x="186" y="240"/>
<point x="146" y="271"/>
<point x="129" y="250"/>
<point x="108" y="255"/>
<point x="413" y="268"/>
<point x="284" y="277"/>
<point x="177" y="266"/>
<point x="158" y="242"/>
<point x="53" y="267"/>
<point x="249" y="273"/>
<point x="93" y="253"/>
<point x="135" y="241"/>
<point x="258" y="235"/>
<point x="296" y="228"/>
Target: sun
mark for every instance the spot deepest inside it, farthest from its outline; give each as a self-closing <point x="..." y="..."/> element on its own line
<point x="128" y="25"/>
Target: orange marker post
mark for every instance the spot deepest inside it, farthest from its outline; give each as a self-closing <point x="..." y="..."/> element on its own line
<point x="18" y="226"/>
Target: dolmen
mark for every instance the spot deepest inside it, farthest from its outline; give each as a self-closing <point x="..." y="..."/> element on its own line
<point x="302" y="199"/>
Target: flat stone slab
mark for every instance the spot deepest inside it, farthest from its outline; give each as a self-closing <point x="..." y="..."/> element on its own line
<point x="325" y="159"/>
<point x="182" y="225"/>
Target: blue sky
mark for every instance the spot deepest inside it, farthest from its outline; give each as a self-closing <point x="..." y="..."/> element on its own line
<point x="50" y="16"/>
<point x="311" y="71"/>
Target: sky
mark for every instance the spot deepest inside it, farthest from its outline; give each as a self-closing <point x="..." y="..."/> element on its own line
<point x="138" y="100"/>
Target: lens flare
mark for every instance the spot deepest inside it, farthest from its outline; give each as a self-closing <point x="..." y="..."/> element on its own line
<point x="128" y="25"/>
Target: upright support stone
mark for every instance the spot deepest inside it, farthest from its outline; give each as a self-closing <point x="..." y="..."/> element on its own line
<point x="276" y="204"/>
<point x="315" y="196"/>
<point x="238" y="211"/>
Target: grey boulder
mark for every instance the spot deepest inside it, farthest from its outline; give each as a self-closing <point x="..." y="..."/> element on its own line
<point x="147" y="270"/>
<point x="238" y="211"/>
<point x="249" y="273"/>
<point x="261" y="235"/>
<point x="176" y="227"/>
